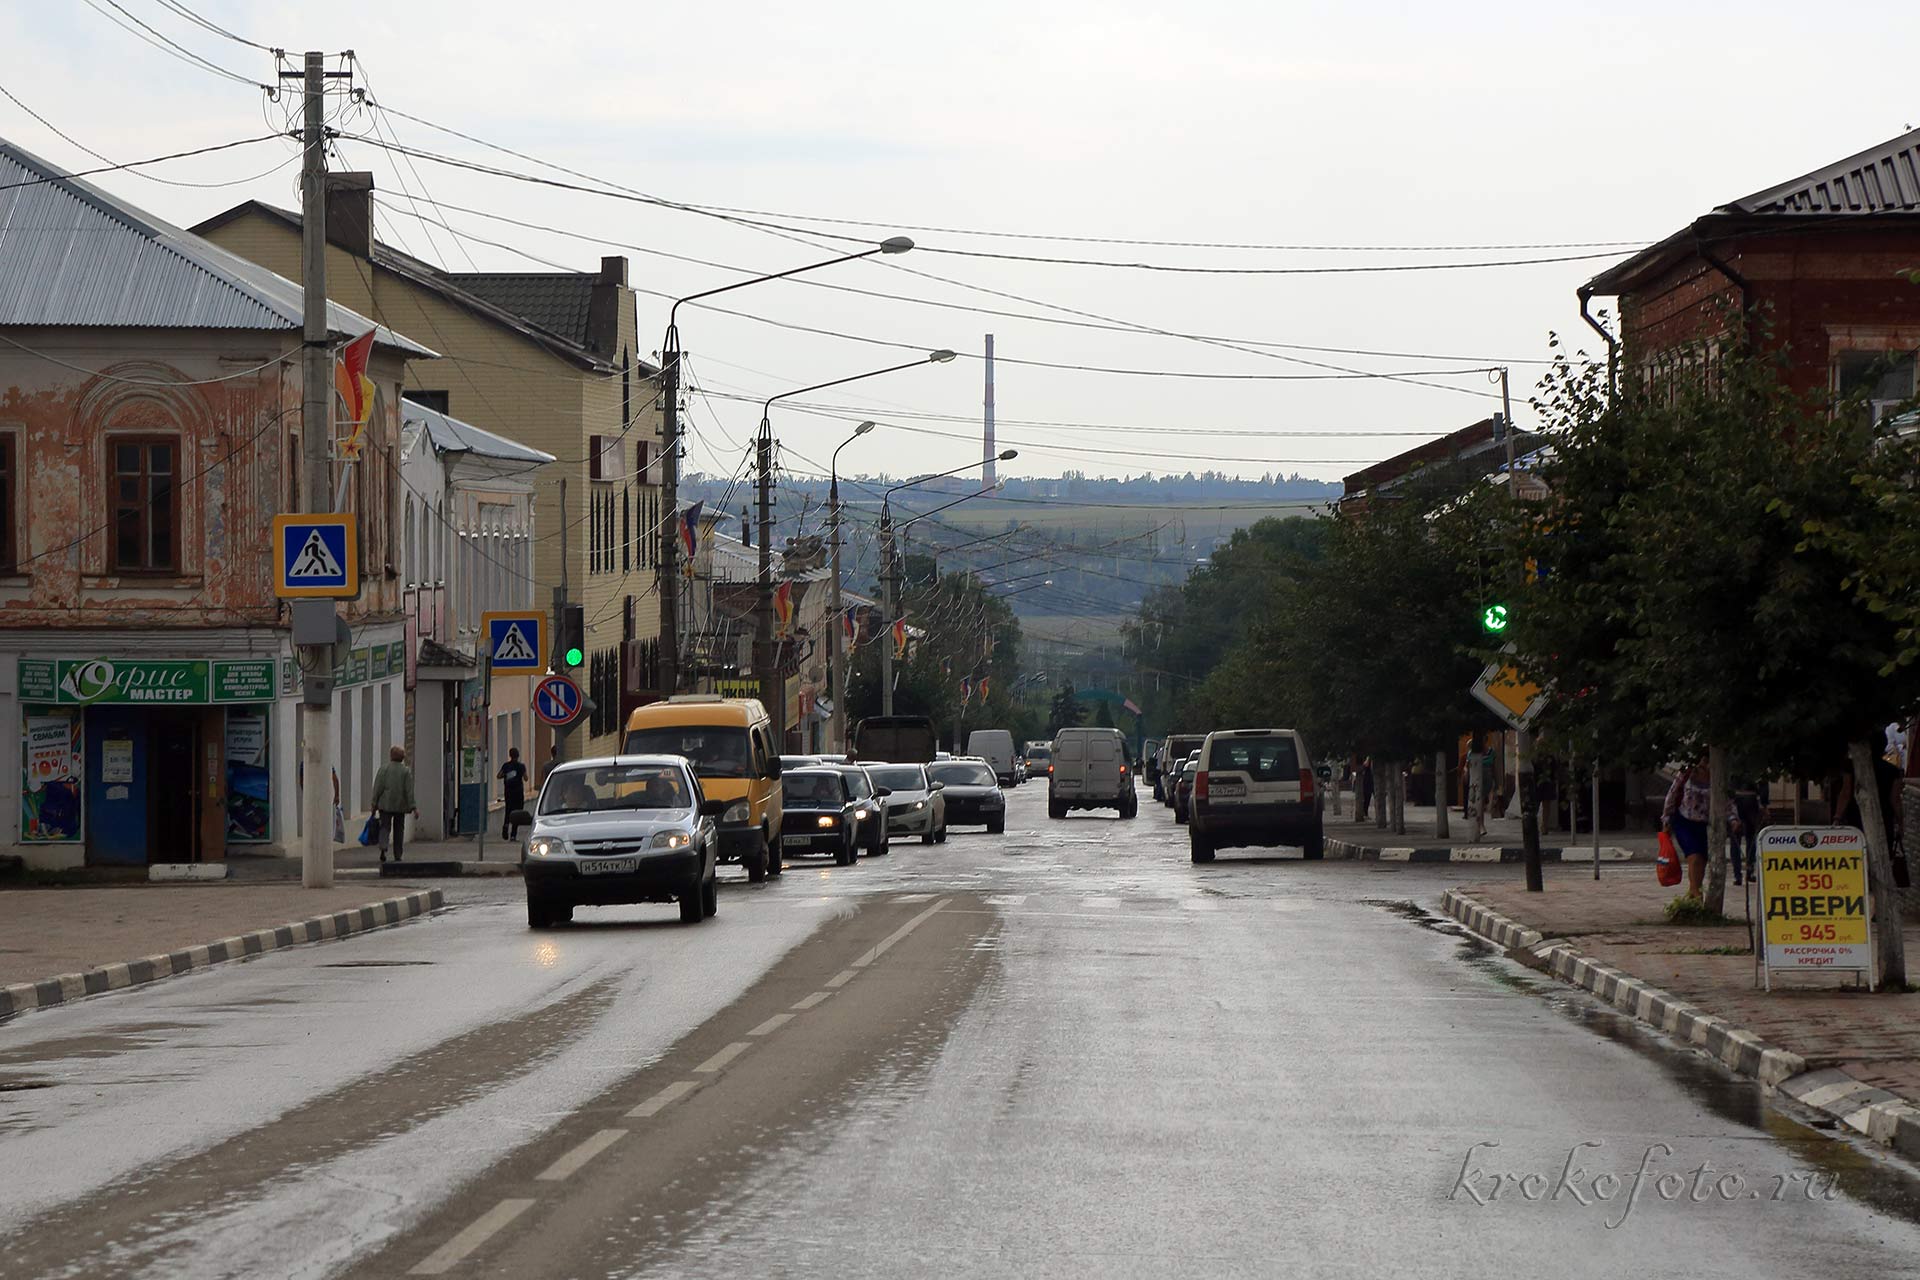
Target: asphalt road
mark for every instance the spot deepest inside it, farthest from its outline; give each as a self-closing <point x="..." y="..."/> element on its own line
<point x="1065" y="1051"/>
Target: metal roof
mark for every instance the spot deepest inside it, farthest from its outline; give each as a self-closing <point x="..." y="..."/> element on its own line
<point x="1882" y="179"/>
<point x="78" y="256"/>
<point x="450" y="435"/>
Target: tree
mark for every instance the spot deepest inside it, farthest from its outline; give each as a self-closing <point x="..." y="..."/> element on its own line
<point x="1102" y="715"/>
<point x="1065" y="711"/>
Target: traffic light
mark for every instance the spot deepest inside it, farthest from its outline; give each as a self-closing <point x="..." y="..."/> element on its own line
<point x="1494" y="619"/>
<point x="573" y="638"/>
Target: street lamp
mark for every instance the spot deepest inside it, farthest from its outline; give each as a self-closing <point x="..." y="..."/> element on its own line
<point x="889" y="581"/>
<point x="763" y="612"/>
<point x="836" y="642"/>
<point x="669" y="531"/>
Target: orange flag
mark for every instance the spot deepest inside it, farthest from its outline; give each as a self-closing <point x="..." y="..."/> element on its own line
<point x="783" y="605"/>
<point x="356" y="389"/>
<point x="899" y="637"/>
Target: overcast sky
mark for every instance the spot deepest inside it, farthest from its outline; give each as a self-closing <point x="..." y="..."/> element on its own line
<point x="1417" y="126"/>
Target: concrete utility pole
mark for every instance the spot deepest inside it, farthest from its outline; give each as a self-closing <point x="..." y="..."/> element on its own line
<point x="836" y="607"/>
<point x="765" y="661"/>
<point x="1523" y="739"/>
<point x="887" y="581"/>
<point x="316" y="437"/>
<point x="562" y="596"/>
<point x="670" y="508"/>
<point x="986" y="438"/>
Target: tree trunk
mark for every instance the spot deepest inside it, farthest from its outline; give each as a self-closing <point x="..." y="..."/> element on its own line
<point x="1889" y="948"/>
<point x="1714" y="894"/>
<point x="1333" y="789"/>
<point x="1382" y="788"/>
<point x="1440" y="797"/>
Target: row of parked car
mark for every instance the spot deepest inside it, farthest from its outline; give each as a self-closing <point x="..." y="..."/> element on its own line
<point x="1240" y="787"/>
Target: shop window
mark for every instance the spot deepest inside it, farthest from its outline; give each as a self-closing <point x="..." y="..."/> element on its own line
<point x="144" y="497"/>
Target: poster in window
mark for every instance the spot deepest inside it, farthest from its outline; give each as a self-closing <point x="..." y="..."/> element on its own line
<point x="116" y="760"/>
<point x="249" y="796"/>
<point x="51" y="763"/>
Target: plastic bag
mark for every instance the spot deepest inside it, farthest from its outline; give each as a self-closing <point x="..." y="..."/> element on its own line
<point x="370" y="833"/>
<point x="1667" y="865"/>
<point x="339" y="826"/>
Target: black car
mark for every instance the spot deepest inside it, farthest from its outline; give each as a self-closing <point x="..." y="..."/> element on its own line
<point x="819" y="814"/>
<point x="972" y="793"/>
<point x="872" y="813"/>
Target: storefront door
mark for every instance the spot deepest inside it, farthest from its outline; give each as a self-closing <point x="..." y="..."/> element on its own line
<point x="117" y="785"/>
<point x="174" y="799"/>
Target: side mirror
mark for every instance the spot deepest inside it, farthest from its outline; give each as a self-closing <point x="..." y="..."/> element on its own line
<point x="881" y="793"/>
<point x="773" y="766"/>
<point x="520" y="818"/>
<point x="714" y="808"/>
<point x="938" y="786"/>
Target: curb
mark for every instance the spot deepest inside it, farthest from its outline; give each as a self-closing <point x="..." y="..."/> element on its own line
<point x="68" y="987"/>
<point x="1884" y="1117"/>
<point x="1350" y="849"/>
<point x="431" y="870"/>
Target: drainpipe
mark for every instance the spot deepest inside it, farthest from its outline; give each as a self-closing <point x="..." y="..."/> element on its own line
<point x="1613" y="344"/>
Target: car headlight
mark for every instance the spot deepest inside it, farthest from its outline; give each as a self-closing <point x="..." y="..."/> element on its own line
<point x="919" y="804"/>
<point x="738" y="811"/>
<point x="547" y="847"/>
<point x="671" y="839"/>
<point x="861" y="814"/>
<point x="827" y="820"/>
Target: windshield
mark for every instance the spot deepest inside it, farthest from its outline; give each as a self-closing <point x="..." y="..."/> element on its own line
<point x="611" y="787"/>
<point x="715" y="752"/>
<point x="857" y="785"/>
<point x="811" y="789"/>
<point x="899" y="777"/>
<point x="966" y="775"/>
<point x="1261" y="759"/>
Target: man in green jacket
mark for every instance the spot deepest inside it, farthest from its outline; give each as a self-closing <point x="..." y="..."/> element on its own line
<point x="393" y="801"/>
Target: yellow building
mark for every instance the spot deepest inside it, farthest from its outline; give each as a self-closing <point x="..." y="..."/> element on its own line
<point x="548" y="359"/>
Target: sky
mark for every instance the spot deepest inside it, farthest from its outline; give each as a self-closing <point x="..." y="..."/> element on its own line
<point x="1378" y="134"/>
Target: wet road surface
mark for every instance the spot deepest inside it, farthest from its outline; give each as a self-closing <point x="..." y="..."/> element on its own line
<point x="1064" y="1051"/>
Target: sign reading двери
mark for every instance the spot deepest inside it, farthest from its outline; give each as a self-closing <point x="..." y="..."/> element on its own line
<point x="1813" y="884"/>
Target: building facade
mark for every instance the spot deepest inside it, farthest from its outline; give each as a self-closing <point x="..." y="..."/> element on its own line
<point x="150" y="424"/>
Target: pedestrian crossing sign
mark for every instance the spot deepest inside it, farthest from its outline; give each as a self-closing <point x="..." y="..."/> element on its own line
<point x="516" y="640"/>
<point x="316" y="556"/>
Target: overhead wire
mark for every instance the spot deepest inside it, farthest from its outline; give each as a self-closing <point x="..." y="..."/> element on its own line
<point x="136" y="164"/>
<point x="62" y="134"/>
<point x="167" y="45"/>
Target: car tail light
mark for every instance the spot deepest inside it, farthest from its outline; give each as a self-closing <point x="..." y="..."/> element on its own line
<point x="1123" y="771"/>
<point x="1200" y="785"/>
<point x="1306" y="784"/>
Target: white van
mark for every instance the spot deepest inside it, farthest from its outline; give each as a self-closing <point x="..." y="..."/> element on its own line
<point x="1090" y="771"/>
<point x="995" y="746"/>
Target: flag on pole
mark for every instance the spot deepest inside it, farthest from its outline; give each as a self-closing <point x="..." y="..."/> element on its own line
<point x="1129" y="706"/>
<point x="850" y="623"/>
<point x="946" y="666"/>
<point x="899" y="637"/>
<point x="783" y="606"/>
<point x="966" y="689"/>
<point x="983" y="687"/>
<point x="690" y="534"/>
<point x="356" y="390"/>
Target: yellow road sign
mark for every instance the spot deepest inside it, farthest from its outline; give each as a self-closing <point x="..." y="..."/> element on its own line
<point x="1516" y="700"/>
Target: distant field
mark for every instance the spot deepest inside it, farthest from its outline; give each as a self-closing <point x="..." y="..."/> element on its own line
<point x="1185" y="524"/>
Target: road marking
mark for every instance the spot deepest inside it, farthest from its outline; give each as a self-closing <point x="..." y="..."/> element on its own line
<point x="813" y="1000"/>
<point x="662" y="1100"/>
<point x="914" y="897"/>
<point x="772" y="1024"/>
<point x="441" y="1260"/>
<point x="1006" y="899"/>
<point x="723" y="1057"/>
<point x="571" y="1162"/>
<point x="1099" y="900"/>
<point x="895" y="936"/>
<point x="843" y="977"/>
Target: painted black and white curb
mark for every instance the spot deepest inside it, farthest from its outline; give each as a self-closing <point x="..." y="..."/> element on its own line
<point x="1354" y="850"/>
<point x="1882" y="1116"/>
<point x="23" y="996"/>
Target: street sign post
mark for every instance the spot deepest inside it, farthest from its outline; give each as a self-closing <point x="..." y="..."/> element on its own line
<point x="316" y="556"/>
<point x="1504" y="692"/>
<point x="1813" y="883"/>
<point x="516" y="641"/>
<point x="557" y="701"/>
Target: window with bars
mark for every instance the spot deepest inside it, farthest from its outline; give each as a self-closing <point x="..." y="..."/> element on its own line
<point x="143" y="497"/>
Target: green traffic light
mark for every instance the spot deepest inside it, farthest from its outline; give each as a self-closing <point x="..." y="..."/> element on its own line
<point x="575" y="657"/>
<point x="1494" y="618"/>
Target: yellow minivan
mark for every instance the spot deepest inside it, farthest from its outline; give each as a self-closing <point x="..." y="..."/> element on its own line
<point x="729" y="742"/>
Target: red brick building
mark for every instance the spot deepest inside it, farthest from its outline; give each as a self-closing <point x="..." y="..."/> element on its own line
<point x="1822" y="258"/>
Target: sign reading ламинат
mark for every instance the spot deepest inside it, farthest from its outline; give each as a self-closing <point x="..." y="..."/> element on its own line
<point x="1813" y="884"/>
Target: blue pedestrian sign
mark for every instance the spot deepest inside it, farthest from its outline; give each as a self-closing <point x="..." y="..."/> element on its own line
<point x="556" y="700"/>
<point x="316" y="556"/>
<point x="516" y="641"/>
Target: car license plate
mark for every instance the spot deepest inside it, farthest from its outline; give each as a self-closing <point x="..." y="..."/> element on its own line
<point x="607" y="866"/>
<point x="1228" y="788"/>
<point x="793" y="840"/>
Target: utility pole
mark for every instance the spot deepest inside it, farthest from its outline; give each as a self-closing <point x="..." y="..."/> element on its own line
<point x="765" y="660"/>
<point x="316" y="491"/>
<point x="986" y="439"/>
<point x="670" y="509"/>
<point x="1523" y="739"/>
<point x="886" y="608"/>
<point x="561" y="598"/>
<point x="836" y="632"/>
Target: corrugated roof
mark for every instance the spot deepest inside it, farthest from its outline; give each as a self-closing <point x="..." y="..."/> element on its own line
<point x="450" y="435"/>
<point x="557" y="302"/>
<point x="1882" y="179"/>
<point x="76" y="255"/>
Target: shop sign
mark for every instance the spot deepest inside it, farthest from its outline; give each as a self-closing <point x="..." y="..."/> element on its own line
<point x="50" y="800"/>
<point x="191" y="682"/>
<point x="380" y="671"/>
<point x="1813" y="881"/>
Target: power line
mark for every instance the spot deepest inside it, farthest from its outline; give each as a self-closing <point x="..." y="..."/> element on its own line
<point x="58" y="132"/>
<point x="147" y="382"/>
<point x="135" y="164"/>
<point x="169" y="46"/>
<point x="216" y="28"/>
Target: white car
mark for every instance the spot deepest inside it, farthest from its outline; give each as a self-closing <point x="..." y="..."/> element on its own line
<point x="915" y="807"/>
<point x="1254" y="787"/>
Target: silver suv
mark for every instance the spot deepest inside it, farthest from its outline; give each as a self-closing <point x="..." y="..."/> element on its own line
<point x="1254" y="787"/>
<point x="621" y="829"/>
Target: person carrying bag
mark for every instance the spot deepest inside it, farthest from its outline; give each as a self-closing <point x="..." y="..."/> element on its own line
<point x="392" y="802"/>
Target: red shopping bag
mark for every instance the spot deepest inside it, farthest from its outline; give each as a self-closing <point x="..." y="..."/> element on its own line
<point x="1667" y="865"/>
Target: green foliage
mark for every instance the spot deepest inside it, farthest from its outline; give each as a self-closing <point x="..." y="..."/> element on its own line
<point x="1066" y="711"/>
<point x="970" y="633"/>
<point x="1691" y="912"/>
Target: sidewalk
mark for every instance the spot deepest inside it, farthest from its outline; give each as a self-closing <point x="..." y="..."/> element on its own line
<point x="60" y="944"/>
<point x="1852" y="1055"/>
<point x="1349" y="839"/>
<point x="425" y="857"/>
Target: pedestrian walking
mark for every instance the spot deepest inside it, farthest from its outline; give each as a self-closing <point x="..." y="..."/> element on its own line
<point x="392" y="802"/>
<point x="1685" y="817"/>
<point x="1480" y="797"/>
<point x="513" y="777"/>
<point x="1749" y="815"/>
<point x="1366" y="788"/>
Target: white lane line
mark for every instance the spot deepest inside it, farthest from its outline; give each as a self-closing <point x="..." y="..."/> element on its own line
<point x="662" y="1100"/>
<point x="1006" y="899"/>
<point x="772" y="1024"/>
<point x="914" y="897"/>
<point x="1099" y="900"/>
<point x="442" y="1260"/>
<point x="843" y="977"/>
<point x="896" y="935"/>
<point x="570" y="1163"/>
<point x="722" y="1058"/>
<point x="813" y="1000"/>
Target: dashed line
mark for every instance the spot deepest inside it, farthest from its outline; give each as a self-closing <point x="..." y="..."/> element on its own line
<point x="723" y="1057"/>
<point x="570" y="1163"/>
<point x="914" y="897"/>
<point x="442" y="1260"/>
<point x="843" y="977"/>
<point x="772" y="1024"/>
<point x="662" y="1100"/>
<point x="896" y="935"/>
<point x="813" y="1000"/>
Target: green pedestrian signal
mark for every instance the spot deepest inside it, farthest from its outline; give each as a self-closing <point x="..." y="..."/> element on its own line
<point x="1494" y="619"/>
<point x="574" y="657"/>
